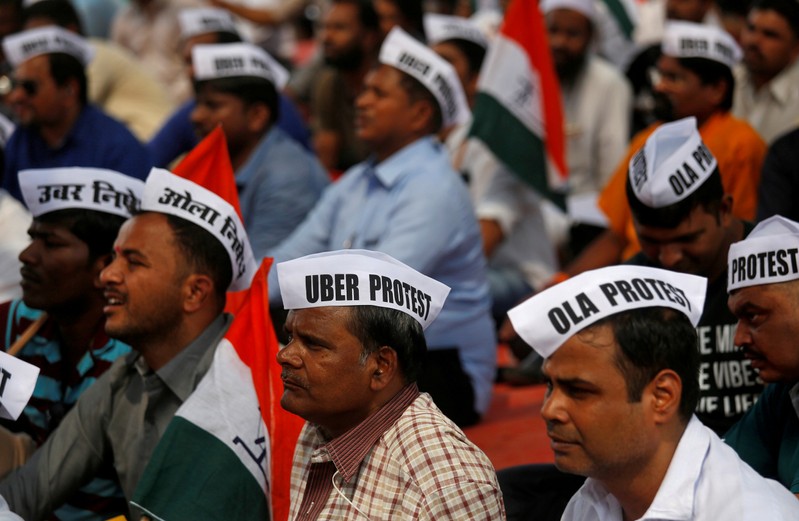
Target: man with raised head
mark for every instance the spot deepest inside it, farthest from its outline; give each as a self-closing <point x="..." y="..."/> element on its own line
<point x="58" y="324"/>
<point x="165" y="294"/>
<point x="684" y="223"/>
<point x="373" y="445"/>
<point x="764" y="291"/>
<point x="278" y="181"/>
<point x="406" y="201"/>
<point x="57" y="126"/>
<point x="621" y="363"/>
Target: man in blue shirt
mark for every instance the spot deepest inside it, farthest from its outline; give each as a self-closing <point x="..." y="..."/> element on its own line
<point x="57" y="127"/>
<point x="407" y="201"/>
<point x="278" y="181"/>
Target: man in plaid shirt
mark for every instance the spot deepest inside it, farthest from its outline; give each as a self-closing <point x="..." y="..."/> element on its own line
<point x="373" y="447"/>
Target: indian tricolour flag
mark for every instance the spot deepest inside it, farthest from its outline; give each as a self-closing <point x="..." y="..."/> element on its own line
<point x="518" y="112"/>
<point x="227" y="454"/>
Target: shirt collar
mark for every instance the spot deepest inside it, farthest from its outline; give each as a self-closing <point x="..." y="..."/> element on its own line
<point x="782" y="85"/>
<point x="393" y="168"/>
<point x="348" y="450"/>
<point x="181" y="374"/>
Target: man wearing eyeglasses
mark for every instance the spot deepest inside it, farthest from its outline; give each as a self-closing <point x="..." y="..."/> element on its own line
<point x="57" y="127"/>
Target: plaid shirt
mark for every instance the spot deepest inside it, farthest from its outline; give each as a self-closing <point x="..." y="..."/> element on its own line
<point x="406" y="461"/>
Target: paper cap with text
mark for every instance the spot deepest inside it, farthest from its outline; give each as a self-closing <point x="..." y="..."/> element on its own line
<point x="549" y="318"/>
<point x="165" y="192"/>
<point x="47" y="190"/>
<point x="228" y="60"/>
<point x="23" y="46"/>
<point x="195" y="21"/>
<point x="441" y="27"/>
<point x="360" y="278"/>
<point x="17" y="382"/>
<point x="768" y="255"/>
<point x="672" y="164"/>
<point x="402" y="51"/>
<point x="692" y="40"/>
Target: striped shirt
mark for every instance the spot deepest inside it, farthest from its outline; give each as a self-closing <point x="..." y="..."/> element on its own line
<point x="406" y="461"/>
<point x="57" y="389"/>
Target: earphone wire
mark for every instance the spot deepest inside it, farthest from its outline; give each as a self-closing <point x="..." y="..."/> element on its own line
<point x="340" y="493"/>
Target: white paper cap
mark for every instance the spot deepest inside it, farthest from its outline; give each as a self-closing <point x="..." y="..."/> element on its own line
<point x="25" y="45"/>
<point x="47" y="190"/>
<point x="165" y="192"/>
<point x="585" y="7"/>
<point x="673" y="164"/>
<point x="549" y="318"/>
<point x="440" y="28"/>
<point x="768" y="255"/>
<point x="194" y="21"/>
<point x="236" y="59"/>
<point x="360" y="278"/>
<point x="403" y="52"/>
<point x="690" y="40"/>
<point x="18" y="382"/>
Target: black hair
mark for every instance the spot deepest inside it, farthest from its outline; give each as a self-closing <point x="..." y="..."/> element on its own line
<point x="367" y="16"/>
<point x="711" y="72"/>
<point x="418" y="92"/>
<point x="788" y="9"/>
<point x="413" y="12"/>
<point x="97" y="229"/>
<point x="60" y="12"/>
<point x="64" y="67"/>
<point x="474" y="52"/>
<point x="203" y="253"/>
<point x="651" y="340"/>
<point x="376" y="327"/>
<point x="708" y="196"/>
<point x="250" y="90"/>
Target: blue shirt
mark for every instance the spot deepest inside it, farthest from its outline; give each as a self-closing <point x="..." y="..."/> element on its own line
<point x="177" y="136"/>
<point x="96" y="140"/>
<point x="278" y="185"/>
<point x="414" y="207"/>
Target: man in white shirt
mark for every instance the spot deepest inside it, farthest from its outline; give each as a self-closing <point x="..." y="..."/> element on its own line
<point x="621" y="363"/>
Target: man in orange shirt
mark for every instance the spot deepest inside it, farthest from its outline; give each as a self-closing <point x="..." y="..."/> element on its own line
<point x="695" y="77"/>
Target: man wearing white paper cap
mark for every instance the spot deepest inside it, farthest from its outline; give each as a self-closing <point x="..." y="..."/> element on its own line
<point x="621" y="363"/>
<point x="764" y="287"/>
<point x="209" y="26"/>
<point x="597" y="103"/>
<point x="356" y="347"/>
<point x="695" y="75"/>
<point x="164" y="295"/>
<point x="520" y="254"/>
<point x="57" y="126"/>
<point x="77" y="213"/>
<point x="117" y="81"/>
<point x="406" y="201"/>
<point x="278" y="181"/>
<point x="684" y="223"/>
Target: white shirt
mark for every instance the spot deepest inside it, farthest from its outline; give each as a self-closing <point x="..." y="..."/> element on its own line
<point x="14" y="221"/>
<point x="706" y="481"/>
<point x="5" y="513"/>
<point x="499" y="195"/>
<point x="772" y="110"/>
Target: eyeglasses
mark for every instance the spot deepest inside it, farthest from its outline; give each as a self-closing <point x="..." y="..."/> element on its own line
<point x="8" y="84"/>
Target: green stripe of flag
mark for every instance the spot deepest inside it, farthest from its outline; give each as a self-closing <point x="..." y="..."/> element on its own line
<point x="621" y="16"/>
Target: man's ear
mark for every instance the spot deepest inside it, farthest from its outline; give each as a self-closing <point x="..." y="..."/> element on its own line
<point x="386" y="368"/>
<point x="423" y="114"/>
<point x="258" y="117"/>
<point x="664" y="394"/>
<point x="197" y="290"/>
